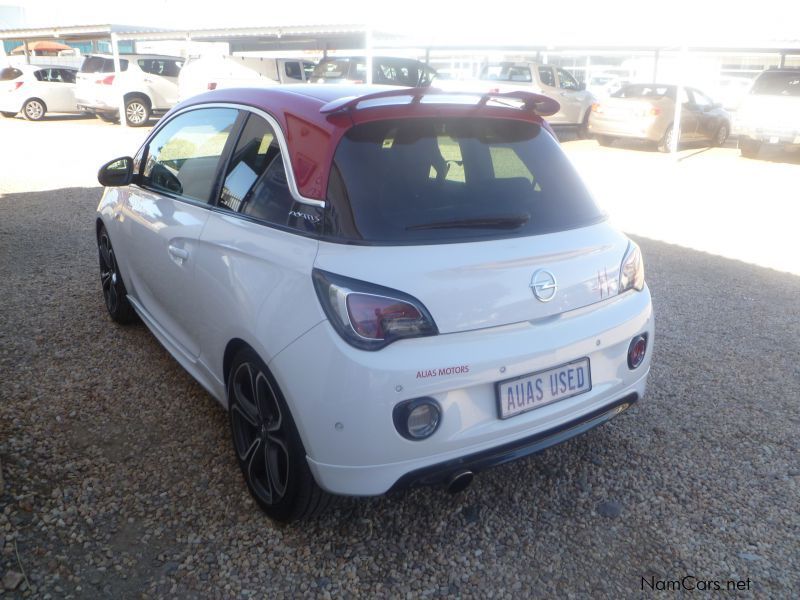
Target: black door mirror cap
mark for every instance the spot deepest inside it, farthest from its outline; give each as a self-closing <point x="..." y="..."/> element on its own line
<point x="116" y="173"/>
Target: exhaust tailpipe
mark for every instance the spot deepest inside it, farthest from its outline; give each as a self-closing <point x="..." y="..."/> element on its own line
<point x="459" y="481"/>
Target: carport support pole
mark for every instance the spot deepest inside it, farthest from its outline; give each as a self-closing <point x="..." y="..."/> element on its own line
<point x="676" y="121"/>
<point x="27" y="52"/>
<point x="117" y="72"/>
<point x="369" y="53"/>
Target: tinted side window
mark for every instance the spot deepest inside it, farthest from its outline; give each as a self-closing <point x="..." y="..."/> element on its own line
<point x="255" y="184"/>
<point x="98" y="64"/>
<point x="566" y="81"/>
<point x="293" y="70"/>
<point x="67" y="75"/>
<point x="546" y="76"/>
<point x="157" y="66"/>
<point x="42" y="75"/>
<point x="184" y="156"/>
<point x="253" y="153"/>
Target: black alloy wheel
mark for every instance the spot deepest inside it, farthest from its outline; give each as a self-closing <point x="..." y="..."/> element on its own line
<point x="267" y="445"/>
<point x="114" y="292"/>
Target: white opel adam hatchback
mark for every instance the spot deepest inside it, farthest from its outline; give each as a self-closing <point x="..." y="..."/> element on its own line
<point x="385" y="287"/>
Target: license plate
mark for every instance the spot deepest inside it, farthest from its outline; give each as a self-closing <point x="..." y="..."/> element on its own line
<point x="527" y="392"/>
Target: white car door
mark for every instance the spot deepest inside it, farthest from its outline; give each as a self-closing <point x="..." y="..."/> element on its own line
<point x="161" y="78"/>
<point x="162" y="217"/>
<point x="257" y="252"/>
<point x="60" y="91"/>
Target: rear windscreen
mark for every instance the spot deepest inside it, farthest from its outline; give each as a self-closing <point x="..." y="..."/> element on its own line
<point x="645" y="91"/>
<point x="448" y="179"/>
<point x="9" y="73"/>
<point x="98" y="64"/>
<point x="777" y="83"/>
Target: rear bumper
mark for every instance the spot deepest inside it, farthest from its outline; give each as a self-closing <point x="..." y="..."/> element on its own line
<point x="644" y="129"/>
<point x="343" y="406"/>
<point x="777" y="137"/>
<point x="441" y="473"/>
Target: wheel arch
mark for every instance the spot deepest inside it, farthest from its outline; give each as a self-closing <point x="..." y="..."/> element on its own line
<point x="38" y="99"/>
<point x="143" y="95"/>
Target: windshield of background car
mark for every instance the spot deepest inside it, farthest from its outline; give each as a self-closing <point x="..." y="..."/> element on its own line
<point x="98" y="64"/>
<point x="645" y="91"/>
<point x="776" y="83"/>
<point x="506" y="73"/>
<point x="9" y="74"/>
<point x="332" y="69"/>
<point x="436" y="180"/>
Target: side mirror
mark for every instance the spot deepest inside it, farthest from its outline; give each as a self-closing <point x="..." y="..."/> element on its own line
<point x="116" y="173"/>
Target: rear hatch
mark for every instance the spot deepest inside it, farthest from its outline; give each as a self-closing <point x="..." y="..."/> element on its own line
<point x="484" y="221"/>
<point x="95" y="71"/>
<point x="773" y="105"/>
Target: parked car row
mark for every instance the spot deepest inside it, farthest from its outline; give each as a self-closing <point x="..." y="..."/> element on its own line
<point x="149" y="85"/>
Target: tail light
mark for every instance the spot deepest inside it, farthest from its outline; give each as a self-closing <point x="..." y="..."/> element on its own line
<point x="212" y="85"/>
<point x="597" y="107"/>
<point x="17" y="85"/>
<point x="636" y="351"/>
<point x="106" y="80"/>
<point x="631" y="273"/>
<point x="369" y="316"/>
<point x="654" y="111"/>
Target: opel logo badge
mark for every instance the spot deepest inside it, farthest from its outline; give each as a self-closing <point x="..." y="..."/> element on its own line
<point x="544" y="285"/>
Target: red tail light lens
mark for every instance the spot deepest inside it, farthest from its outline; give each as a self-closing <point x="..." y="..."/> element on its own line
<point x="369" y="316"/>
<point x="106" y="80"/>
<point x="654" y="111"/>
<point x="375" y="317"/>
<point x="637" y="350"/>
<point x="212" y="85"/>
<point x="18" y="85"/>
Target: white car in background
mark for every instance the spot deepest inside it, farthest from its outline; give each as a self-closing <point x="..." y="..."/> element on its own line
<point x="206" y="73"/>
<point x="548" y="80"/>
<point x="35" y="90"/>
<point x="147" y="84"/>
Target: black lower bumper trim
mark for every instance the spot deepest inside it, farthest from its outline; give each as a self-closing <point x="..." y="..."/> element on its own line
<point x="440" y="473"/>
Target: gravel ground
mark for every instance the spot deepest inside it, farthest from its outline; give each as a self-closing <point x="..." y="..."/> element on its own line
<point x="120" y="480"/>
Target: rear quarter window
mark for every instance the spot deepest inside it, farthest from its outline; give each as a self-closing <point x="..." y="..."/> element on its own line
<point x="448" y="180"/>
<point x="777" y="83"/>
<point x="99" y="64"/>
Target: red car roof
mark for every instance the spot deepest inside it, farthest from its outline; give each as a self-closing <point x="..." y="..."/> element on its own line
<point x="315" y="117"/>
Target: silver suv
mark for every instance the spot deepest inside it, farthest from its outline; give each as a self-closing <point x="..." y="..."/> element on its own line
<point x="147" y="84"/>
<point x="770" y="113"/>
<point x="551" y="81"/>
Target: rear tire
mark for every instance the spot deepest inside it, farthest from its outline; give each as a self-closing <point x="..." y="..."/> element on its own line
<point x="665" y="144"/>
<point x="137" y="111"/>
<point x="8" y="115"/>
<point x="267" y="445"/>
<point x="721" y="136"/>
<point x="583" y="128"/>
<point x="605" y="140"/>
<point x="749" y="148"/>
<point x="34" y="109"/>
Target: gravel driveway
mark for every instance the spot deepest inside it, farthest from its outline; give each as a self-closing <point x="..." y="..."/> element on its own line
<point x="120" y="480"/>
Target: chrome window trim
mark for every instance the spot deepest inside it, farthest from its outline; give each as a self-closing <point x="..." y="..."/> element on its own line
<point x="279" y="135"/>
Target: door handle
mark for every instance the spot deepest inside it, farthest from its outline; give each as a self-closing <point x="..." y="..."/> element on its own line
<point x="179" y="253"/>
